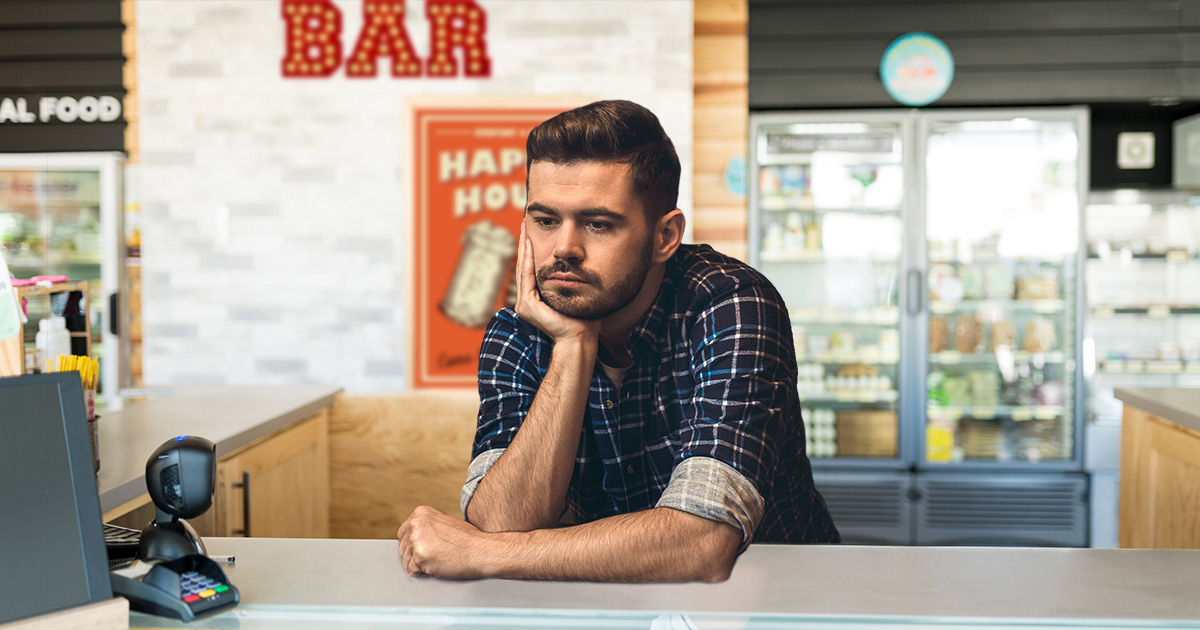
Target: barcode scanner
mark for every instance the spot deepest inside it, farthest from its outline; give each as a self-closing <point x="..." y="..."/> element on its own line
<point x="180" y="477"/>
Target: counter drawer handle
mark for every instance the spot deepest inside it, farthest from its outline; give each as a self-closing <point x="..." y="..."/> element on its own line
<point x="245" y="486"/>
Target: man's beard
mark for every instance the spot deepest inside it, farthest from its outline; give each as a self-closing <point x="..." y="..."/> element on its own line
<point x="569" y="302"/>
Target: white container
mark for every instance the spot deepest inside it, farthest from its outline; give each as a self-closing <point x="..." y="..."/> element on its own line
<point x="52" y="340"/>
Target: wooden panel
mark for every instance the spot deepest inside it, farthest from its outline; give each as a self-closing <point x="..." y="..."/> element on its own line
<point x="712" y="154"/>
<point x="1133" y="485"/>
<point x="732" y="248"/>
<point x="1174" y="472"/>
<point x="831" y="19"/>
<point x="72" y="73"/>
<point x="21" y="13"/>
<point x="289" y="483"/>
<point x="711" y="188"/>
<point x="391" y="454"/>
<point x="725" y="121"/>
<point x="1159" y="484"/>
<point x="975" y="53"/>
<point x="720" y="117"/>
<point x="721" y="12"/>
<point x="61" y="42"/>
<point x="727" y="52"/>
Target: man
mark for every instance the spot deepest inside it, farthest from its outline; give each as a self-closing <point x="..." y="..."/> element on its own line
<point x="641" y="391"/>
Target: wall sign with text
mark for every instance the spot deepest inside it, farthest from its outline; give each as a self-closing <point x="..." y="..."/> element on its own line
<point x="917" y="69"/>
<point x="468" y="201"/>
<point x="457" y="35"/>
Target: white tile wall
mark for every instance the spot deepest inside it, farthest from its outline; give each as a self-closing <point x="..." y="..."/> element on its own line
<point x="274" y="225"/>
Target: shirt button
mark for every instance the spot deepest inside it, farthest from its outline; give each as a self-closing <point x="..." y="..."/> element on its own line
<point x="608" y="404"/>
<point x="629" y="469"/>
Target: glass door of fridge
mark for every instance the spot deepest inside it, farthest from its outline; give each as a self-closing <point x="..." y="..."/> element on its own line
<point x="1002" y="194"/>
<point x="827" y="208"/>
<point x="61" y="215"/>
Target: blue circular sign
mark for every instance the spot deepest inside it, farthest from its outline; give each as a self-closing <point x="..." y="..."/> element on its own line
<point x="917" y="69"/>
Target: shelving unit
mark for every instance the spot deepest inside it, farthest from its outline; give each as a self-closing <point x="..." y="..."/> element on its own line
<point x="1143" y="273"/>
<point x="82" y="334"/>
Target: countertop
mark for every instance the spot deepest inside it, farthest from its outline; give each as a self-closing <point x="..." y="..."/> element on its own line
<point x="349" y="582"/>
<point x="1179" y="405"/>
<point x="230" y="416"/>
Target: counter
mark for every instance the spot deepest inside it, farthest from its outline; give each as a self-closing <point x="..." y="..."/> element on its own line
<point x="288" y="583"/>
<point x="1160" y="469"/>
<point x="230" y="416"/>
<point x="1180" y="406"/>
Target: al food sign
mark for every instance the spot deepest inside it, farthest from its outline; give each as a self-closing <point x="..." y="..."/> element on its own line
<point x="469" y="200"/>
<point x="457" y="36"/>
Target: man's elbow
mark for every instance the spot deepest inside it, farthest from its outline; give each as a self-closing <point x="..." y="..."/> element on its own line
<point x="720" y="555"/>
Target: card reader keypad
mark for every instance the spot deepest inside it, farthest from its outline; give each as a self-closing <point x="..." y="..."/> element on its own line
<point x="196" y="586"/>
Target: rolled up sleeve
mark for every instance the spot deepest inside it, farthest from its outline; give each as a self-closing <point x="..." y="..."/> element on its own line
<point x="475" y="472"/>
<point x="711" y="489"/>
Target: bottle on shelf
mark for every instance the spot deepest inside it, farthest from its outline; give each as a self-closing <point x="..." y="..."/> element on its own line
<point x="52" y="340"/>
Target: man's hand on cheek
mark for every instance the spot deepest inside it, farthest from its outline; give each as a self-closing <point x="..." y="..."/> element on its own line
<point x="532" y="309"/>
<point x="432" y="543"/>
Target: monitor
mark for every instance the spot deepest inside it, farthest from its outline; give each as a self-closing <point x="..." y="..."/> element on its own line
<point x="52" y="553"/>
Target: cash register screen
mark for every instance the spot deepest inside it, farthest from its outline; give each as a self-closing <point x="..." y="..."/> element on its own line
<point x="52" y="552"/>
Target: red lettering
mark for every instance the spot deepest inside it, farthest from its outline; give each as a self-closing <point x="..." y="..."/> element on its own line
<point x="383" y="35"/>
<point x="314" y="38"/>
<point x="458" y="24"/>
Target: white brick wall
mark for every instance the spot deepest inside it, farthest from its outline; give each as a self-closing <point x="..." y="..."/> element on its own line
<point x="274" y="211"/>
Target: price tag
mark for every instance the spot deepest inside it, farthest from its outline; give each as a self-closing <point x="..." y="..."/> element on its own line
<point x="1158" y="311"/>
<point x="1114" y="365"/>
<point x="1045" y="413"/>
<point x="1103" y="311"/>
<point x="941" y="307"/>
<point x="1046" y="306"/>
<point x="985" y="413"/>
<point x="949" y="357"/>
<point x="1020" y="414"/>
<point x="1177" y="255"/>
<point x="867" y="397"/>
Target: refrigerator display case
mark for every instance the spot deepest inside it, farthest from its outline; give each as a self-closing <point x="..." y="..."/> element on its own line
<point x="830" y="202"/>
<point x="1143" y="287"/>
<point x="61" y="215"/>
<point x="931" y="264"/>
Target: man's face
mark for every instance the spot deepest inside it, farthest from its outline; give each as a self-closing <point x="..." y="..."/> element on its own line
<point x="592" y="245"/>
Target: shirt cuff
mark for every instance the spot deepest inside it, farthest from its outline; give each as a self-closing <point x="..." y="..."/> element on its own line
<point x="712" y="489"/>
<point x="475" y="472"/>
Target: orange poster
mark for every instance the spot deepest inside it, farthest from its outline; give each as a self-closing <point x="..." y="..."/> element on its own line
<point x="469" y="199"/>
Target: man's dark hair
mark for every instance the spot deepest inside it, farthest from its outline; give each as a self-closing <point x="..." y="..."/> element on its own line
<point x="613" y="131"/>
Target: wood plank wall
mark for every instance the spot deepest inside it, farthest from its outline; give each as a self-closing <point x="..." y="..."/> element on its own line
<point x="129" y="78"/>
<point x="720" y="119"/>
<point x="821" y="54"/>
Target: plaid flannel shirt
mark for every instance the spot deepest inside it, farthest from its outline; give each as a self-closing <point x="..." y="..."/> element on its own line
<point x="707" y="419"/>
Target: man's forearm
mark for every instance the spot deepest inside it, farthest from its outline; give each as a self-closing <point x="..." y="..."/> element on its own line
<point x="526" y="489"/>
<point x="656" y="545"/>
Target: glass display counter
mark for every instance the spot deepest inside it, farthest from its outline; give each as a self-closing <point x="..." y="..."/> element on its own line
<point x="356" y="584"/>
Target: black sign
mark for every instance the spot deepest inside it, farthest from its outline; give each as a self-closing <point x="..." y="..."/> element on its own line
<point x="61" y="76"/>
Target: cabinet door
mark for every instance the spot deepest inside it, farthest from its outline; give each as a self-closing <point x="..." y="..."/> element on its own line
<point x="1160" y="484"/>
<point x="288" y="485"/>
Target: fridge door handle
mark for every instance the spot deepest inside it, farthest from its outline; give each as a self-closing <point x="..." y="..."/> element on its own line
<point x="113" y="303"/>
<point x="916" y="292"/>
